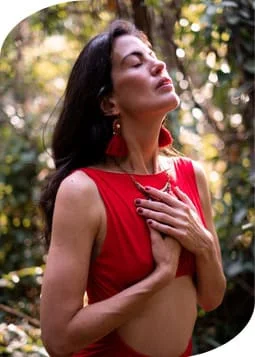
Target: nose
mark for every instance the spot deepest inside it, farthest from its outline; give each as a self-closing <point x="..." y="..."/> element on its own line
<point x="158" y="67"/>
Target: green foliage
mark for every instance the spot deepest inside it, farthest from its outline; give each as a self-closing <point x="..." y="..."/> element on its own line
<point x="222" y="96"/>
<point x="20" y="340"/>
<point x="214" y="76"/>
<point x="21" y="252"/>
<point x="18" y="211"/>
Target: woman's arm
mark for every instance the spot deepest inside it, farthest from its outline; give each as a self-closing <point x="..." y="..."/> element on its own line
<point x="211" y="281"/>
<point x="175" y="215"/>
<point x="68" y="326"/>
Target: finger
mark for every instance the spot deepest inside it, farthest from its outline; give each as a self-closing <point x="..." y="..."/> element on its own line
<point x="156" y="206"/>
<point x="165" y="229"/>
<point x="189" y="205"/>
<point x="166" y="197"/>
<point x="154" y="234"/>
<point x="158" y="216"/>
<point x="183" y="197"/>
<point x="151" y="230"/>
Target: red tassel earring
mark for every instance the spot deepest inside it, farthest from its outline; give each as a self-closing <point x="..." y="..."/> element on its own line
<point x="117" y="146"/>
<point x="165" y="138"/>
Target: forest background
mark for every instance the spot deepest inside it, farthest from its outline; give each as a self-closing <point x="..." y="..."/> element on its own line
<point x="209" y="50"/>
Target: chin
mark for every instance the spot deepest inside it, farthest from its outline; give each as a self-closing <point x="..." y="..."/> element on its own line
<point x="173" y="103"/>
<point x="176" y="98"/>
<point x="177" y="101"/>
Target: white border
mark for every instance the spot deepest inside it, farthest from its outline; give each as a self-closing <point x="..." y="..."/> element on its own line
<point x="14" y="11"/>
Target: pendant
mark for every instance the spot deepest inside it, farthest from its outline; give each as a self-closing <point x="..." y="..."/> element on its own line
<point x="141" y="188"/>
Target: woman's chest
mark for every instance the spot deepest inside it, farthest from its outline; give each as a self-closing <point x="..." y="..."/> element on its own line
<point x="123" y="248"/>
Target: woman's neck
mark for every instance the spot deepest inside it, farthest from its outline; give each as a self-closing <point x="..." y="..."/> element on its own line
<point x="142" y="142"/>
<point x="138" y="164"/>
<point x="142" y="155"/>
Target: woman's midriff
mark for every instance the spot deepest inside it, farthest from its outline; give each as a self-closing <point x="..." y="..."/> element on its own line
<point x="164" y="327"/>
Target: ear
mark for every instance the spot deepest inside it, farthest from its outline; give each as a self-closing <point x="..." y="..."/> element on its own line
<point x="109" y="106"/>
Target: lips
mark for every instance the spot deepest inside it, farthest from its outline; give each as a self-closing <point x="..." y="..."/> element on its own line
<point x="164" y="82"/>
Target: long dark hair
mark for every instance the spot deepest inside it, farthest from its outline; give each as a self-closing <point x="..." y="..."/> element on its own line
<point x="82" y="131"/>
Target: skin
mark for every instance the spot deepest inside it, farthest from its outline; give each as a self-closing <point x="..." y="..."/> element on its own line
<point x="140" y="105"/>
<point x="175" y="215"/>
<point x="159" y="306"/>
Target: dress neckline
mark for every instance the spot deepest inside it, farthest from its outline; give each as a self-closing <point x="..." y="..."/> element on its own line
<point x="170" y="170"/>
<point x="127" y="174"/>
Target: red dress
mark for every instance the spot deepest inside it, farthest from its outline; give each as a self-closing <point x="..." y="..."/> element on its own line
<point x="126" y="255"/>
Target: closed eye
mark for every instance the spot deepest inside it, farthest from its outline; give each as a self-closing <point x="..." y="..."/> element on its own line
<point x="137" y="65"/>
<point x="137" y="58"/>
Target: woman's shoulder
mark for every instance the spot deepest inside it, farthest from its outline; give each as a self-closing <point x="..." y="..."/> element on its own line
<point x="78" y="203"/>
<point x="75" y="186"/>
<point x="186" y="166"/>
<point x="176" y="162"/>
<point x="181" y="160"/>
<point x="195" y="169"/>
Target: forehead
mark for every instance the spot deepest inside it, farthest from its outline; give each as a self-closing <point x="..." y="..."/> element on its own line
<point x="126" y="44"/>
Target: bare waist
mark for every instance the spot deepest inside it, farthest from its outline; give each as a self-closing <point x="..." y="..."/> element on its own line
<point x="164" y="326"/>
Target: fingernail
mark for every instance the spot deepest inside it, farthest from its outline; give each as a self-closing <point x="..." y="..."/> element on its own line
<point x="147" y="188"/>
<point x="137" y="201"/>
<point x="140" y="210"/>
<point x="150" y="222"/>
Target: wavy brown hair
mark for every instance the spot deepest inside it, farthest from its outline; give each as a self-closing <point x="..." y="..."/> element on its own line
<point x="82" y="131"/>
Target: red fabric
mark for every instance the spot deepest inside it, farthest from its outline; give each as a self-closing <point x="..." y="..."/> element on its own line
<point x="126" y="256"/>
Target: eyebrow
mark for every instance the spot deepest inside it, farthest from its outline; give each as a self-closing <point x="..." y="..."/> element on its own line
<point x="135" y="53"/>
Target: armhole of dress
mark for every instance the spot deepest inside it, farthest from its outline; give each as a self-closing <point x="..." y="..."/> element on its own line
<point x="89" y="173"/>
<point x="187" y="164"/>
<point x="193" y="173"/>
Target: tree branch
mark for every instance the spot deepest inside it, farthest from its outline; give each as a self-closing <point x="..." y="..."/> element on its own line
<point x="20" y="314"/>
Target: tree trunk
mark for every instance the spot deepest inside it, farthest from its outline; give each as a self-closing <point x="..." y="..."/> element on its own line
<point x="142" y="17"/>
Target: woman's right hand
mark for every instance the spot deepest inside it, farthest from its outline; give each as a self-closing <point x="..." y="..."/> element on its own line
<point x="166" y="252"/>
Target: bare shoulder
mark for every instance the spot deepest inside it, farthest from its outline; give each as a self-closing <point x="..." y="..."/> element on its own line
<point x="75" y="186"/>
<point x="204" y="193"/>
<point x="75" y="227"/>
<point x="78" y="208"/>
<point x="201" y="177"/>
<point x="167" y="163"/>
<point x="171" y="162"/>
<point x="198" y="169"/>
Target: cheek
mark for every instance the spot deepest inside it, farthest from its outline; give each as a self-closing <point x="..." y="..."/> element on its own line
<point x="133" y="100"/>
<point x="133" y="90"/>
<point x="132" y="84"/>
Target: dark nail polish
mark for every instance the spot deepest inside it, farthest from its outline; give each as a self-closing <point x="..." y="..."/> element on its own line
<point x="137" y="201"/>
<point x="140" y="210"/>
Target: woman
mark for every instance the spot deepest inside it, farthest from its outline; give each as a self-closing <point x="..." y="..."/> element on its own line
<point x="126" y="223"/>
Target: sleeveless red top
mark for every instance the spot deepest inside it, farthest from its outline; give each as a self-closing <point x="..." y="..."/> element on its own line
<point x="126" y="255"/>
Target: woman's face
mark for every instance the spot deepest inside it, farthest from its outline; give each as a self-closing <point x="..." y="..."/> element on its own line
<point x="141" y="83"/>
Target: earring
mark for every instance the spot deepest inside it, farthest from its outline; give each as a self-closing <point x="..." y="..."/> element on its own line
<point x="117" y="146"/>
<point x="165" y="138"/>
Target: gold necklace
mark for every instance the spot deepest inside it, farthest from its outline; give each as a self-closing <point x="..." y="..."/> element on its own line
<point x="139" y="186"/>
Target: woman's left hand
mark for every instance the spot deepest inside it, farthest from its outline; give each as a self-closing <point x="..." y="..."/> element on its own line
<point x="174" y="215"/>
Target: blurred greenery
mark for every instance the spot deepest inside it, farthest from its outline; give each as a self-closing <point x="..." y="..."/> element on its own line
<point x="208" y="48"/>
